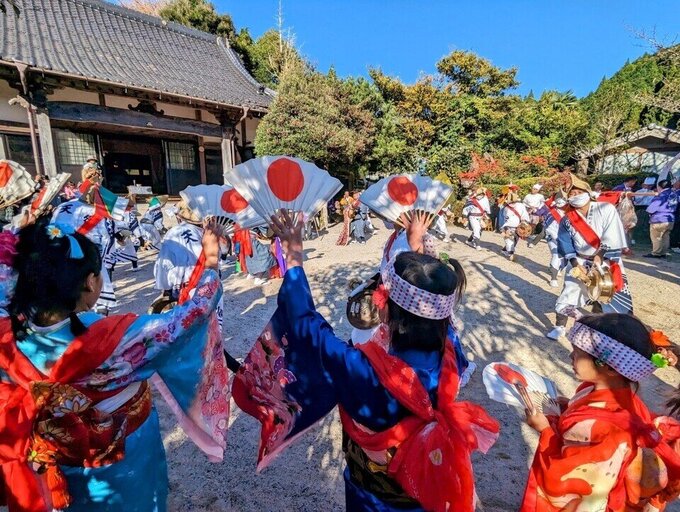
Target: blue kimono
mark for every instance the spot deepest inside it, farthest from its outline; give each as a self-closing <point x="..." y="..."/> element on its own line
<point x="353" y="380"/>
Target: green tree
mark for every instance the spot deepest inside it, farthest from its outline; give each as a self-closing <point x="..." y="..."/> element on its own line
<point x="271" y="54"/>
<point x="468" y="73"/>
<point x="319" y="118"/>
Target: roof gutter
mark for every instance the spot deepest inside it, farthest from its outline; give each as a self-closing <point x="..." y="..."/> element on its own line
<point x="116" y="84"/>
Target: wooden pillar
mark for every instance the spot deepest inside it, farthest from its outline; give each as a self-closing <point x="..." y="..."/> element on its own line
<point x="49" y="159"/>
<point x="201" y="161"/>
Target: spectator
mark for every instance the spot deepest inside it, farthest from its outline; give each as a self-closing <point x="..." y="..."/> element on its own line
<point x="598" y="188"/>
<point x="661" y="219"/>
<point x="675" y="233"/>
<point x="626" y="186"/>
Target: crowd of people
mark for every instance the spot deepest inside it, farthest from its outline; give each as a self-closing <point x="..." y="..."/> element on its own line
<point x="77" y="422"/>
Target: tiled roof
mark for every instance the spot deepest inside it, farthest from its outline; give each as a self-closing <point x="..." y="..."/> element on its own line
<point x="96" y="40"/>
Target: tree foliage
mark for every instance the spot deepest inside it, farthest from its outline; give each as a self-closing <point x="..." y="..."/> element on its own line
<point x="319" y="118"/>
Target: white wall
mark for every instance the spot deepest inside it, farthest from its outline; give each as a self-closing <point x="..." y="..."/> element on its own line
<point x="8" y="112"/>
<point x="650" y="161"/>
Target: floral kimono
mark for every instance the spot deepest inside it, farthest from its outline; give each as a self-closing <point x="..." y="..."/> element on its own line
<point x="605" y="453"/>
<point x="311" y="370"/>
<point x="109" y="406"/>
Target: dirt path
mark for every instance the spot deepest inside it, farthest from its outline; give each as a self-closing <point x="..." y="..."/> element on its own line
<point x="507" y="310"/>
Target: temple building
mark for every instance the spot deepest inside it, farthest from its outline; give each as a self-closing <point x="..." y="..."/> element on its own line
<point x="159" y="104"/>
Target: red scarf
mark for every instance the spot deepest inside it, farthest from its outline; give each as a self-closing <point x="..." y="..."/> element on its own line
<point x="509" y="207"/>
<point x="21" y="404"/>
<point x="482" y="211"/>
<point x="100" y="211"/>
<point x="443" y="479"/>
<point x="583" y="228"/>
<point x="196" y="274"/>
<point x="553" y="211"/>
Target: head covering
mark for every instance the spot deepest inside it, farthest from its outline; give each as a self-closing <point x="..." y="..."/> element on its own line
<point x="576" y="182"/>
<point x="157" y="201"/>
<point x="187" y="214"/>
<point x="623" y="359"/>
<point x="416" y="300"/>
<point x="650" y="180"/>
<point x="512" y="197"/>
<point x="537" y="186"/>
<point x="91" y="157"/>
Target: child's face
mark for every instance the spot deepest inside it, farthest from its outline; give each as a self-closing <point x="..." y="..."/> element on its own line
<point x="584" y="366"/>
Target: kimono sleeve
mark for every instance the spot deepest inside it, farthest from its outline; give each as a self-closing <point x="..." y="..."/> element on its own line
<point x="355" y="382"/>
<point x="565" y="242"/>
<point x="181" y="351"/>
<point x="579" y="468"/>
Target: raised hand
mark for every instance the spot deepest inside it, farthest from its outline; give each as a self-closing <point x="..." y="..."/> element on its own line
<point x="289" y="231"/>
<point x="211" y="242"/>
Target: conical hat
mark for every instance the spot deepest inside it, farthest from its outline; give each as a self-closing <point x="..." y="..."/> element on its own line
<point x="576" y="182"/>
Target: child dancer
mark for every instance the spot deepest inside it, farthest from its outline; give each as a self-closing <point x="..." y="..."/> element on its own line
<point x="407" y="441"/>
<point x="606" y="451"/>
<point x="77" y="426"/>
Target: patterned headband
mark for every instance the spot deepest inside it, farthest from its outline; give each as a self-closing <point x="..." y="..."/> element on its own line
<point x="621" y="358"/>
<point x="416" y="300"/>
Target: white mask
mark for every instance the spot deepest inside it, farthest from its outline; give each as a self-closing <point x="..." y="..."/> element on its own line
<point x="560" y="203"/>
<point x="580" y="200"/>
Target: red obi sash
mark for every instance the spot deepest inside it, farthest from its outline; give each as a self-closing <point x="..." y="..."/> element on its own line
<point x="47" y="420"/>
<point x="553" y="211"/>
<point x="442" y="480"/>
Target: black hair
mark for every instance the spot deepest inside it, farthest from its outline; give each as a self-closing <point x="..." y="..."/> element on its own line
<point x="409" y="331"/>
<point x="626" y="329"/>
<point x="664" y="184"/>
<point x="48" y="280"/>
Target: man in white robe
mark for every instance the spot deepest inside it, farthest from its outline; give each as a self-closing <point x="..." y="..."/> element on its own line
<point x="590" y="234"/>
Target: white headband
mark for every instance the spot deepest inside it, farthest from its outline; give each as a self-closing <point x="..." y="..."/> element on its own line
<point x="621" y="358"/>
<point x="416" y="300"/>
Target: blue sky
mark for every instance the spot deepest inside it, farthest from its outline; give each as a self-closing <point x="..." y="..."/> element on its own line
<point x="564" y="45"/>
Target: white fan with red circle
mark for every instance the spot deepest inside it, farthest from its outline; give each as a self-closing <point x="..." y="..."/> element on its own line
<point x="272" y="183"/>
<point x="16" y="183"/>
<point x="405" y="193"/>
<point x="224" y="203"/>
<point x="47" y="194"/>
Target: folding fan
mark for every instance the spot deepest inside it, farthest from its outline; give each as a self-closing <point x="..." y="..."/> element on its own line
<point x="16" y="183"/>
<point x="272" y="183"/>
<point x="511" y="384"/>
<point x="224" y="203"/>
<point x="49" y="192"/>
<point x="405" y="193"/>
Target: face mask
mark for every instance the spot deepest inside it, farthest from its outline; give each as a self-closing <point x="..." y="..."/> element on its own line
<point x="560" y="203"/>
<point x="580" y="200"/>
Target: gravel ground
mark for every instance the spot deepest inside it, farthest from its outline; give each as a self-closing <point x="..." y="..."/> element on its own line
<point x="507" y="309"/>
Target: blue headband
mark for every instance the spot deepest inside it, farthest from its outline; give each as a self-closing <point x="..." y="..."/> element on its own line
<point x="75" y="252"/>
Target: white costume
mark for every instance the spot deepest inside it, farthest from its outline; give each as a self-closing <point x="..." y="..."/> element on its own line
<point x="534" y="201"/>
<point x="551" y="226"/>
<point x="152" y="226"/>
<point x="605" y="222"/>
<point x="177" y="257"/>
<point x="179" y="252"/>
<point x="126" y="249"/>
<point x="475" y="210"/>
<point x="75" y="213"/>
<point x="513" y="215"/>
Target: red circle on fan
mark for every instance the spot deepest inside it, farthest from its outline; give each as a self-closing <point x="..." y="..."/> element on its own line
<point x="402" y="190"/>
<point x="233" y="202"/>
<point x="285" y="179"/>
